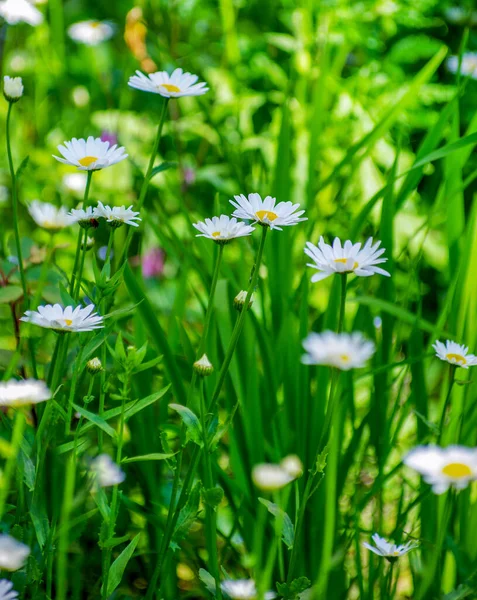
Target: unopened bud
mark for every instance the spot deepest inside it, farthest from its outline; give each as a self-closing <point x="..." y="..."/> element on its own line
<point x="240" y="298"/>
<point x="89" y="243"/>
<point x="94" y="366"/>
<point x="203" y="366"/>
<point x="12" y="88"/>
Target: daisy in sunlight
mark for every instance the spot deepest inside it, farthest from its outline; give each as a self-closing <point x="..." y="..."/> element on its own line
<point x="455" y="354"/>
<point x="23" y="393"/>
<point x="223" y="229"/>
<point x="90" y="155"/>
<point x="344" y="351"/>
<point x="64" y="320"/>
<point x="13" y="554"/>
<point x="243" y="589"/>
<point x="349" y="258"/>
<point x="49" y="216"/>
<point x="267" y="212"/>
<point x="389" y="550"/>
<point x="175" y="85"/>
<point x="20" y="11"/>
<point x="117" y="215"/>
<point x="91" y="33"/>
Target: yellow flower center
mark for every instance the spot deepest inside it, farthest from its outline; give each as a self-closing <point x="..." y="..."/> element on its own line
<point x="68" y="322"/>
<point x="344" y="261"/>
<point x="216" y="234"/>
<point x="457" y="357"/>
<point x="457" y="470"/>
<point x="396" y="553"/>
<point x="170" y="87"/>
<point x="87" y="160"/>
<point x="266" y="214"/>
<point x="344" y="358"/>
<point x="96" y="24"/>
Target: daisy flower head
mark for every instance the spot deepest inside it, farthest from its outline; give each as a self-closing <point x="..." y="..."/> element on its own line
<point x="85" y="218"/>
<point x="117" y="215"/>
<point x="388" y="550"/>
<point x="442" y="468"/>
<point x="91" y="33"/>
<point x="349" y="258"/>
<point x="175" y="85"/>
<point x="344" y="351"/>
<point x="269" y="477"/>
<point x="6" y="590"/>
<point x="455" y="354"/>
<point x="267" y="212"/>
<point x="90" y="155"/>
<point x="13" y="553"/>
<point x="468" y="66"/>
<point x="12" y="88"/>
<point x="49" y="216"/>
<point x="64" y="320"/>
<point x="20" y="393"/>
<point x="223" y="229"/>
<point x="243" y="589"/>
<point x="20" y="11"/>
<point x="106" y="472"/>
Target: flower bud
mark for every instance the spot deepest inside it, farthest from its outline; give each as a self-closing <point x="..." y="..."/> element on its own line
<point x="89" y="243"/>
<point x="240" y="298"/>
<point x="12" y="88"/>
<point x="292" y="465"/>
<point x="203" y="366"/>
<point x="94" y="365"/>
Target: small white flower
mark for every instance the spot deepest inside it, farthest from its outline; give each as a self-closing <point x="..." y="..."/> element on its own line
<point x="442" y="468"/>
<point x="388" y="550"/>
<point x="90" y="155"/>
<point x="223" y="229"/>
<point x="468" y="66"/>
<point x="20" y="11"/>
<point x="243" y="589"/>
<point x="49" y="216"/>
<point x="292" y="465"/>
<point x="270" y="477"/>
<point x="20" y="393"/>
<point x="170" y="86"/>
<point x="75" y="183"/>
<point x="266" y="212"/>
<point x="13" y="554"/>
<point x="91" y="32"/>
<point x="117" y="215"/>
<point x="64" y="319"/>
<point x="239" y="300"/>
<point x="85" y="218"/>
<point x="341" y="350"/>
<point x="349" y="258"/>
<point x="12" y="88"/>
<point x="6" y="590"/>
<point x="455" y="354"/>
<point x="106" y="472"/>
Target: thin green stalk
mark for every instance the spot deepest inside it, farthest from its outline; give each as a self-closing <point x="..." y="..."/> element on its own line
<point x="452" y="372"/>
<point x="15" y="207"/>
<point x="80" y="233"/>
<point x="71" y="397"/>
<point x="63" y="541"/>
<point x="58" y="363"/>
<point x="10" y="465"/>
<point x="344" y="279"/>
<point x="81" y="268"/>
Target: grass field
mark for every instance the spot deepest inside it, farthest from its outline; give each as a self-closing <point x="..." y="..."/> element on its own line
<point x="276" y="403"/>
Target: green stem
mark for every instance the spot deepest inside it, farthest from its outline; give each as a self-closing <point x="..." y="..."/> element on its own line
<point x="71" y="397"/>
<point x="58" y="361"/>
<point x="15" y="206"/>
<point x="80" y="233"/>
<point x="63" y="541"/>
<point x="10" y="466"/>
<point x="344" y="278"/>
<point x="452" y="372"/>
<point x="81" y="268"/>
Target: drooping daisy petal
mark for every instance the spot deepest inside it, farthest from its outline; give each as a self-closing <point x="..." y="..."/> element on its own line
<point x="442" y="468"/>
<point x="341" y="350"/>
<point x="20" y="11"/>
<point x="91" y="33"/>
<point x="267" y="212"/>
<point x="223" y="229"/>
<point x="21" y="393"/>
<point x="6" y="590"/>
<point x="176" y="85"/>
<point x="117" y="215"/>
<point x="90" y="155"/>
<point x="74" y="319"/>
<point x="13" y="553"/>
<point x="243" y="589"/>
<point x="49" y="216"/>
<point x="391" y="551"/>
<point x="455" y="354"/>
<point x="346" y="258"/>
<point x="106" y="472"/>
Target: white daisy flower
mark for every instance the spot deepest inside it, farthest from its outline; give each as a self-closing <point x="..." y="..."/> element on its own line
<point x="13" y="554"/>
<point x="270" y="477"/>
<point x="49" y="216"/>
<point x="292" y="465"/>
<point x="170" y="86"/>
<point x="20" y="11"/>
<point x="344" y="351"/>
<point x="6" y="590"/>
<point x="239" y="300"/>
<point x="222" y="229"/>
<point x="455" y="354"/>
<point x="388" y="550"/>
<point x="75" y="183"/>
<point x="90" y="155"/>
<point x="64" y="319"/>
<point x="117" y="215"/>
<point x="267" y="212"/>
<point x="349" y="258"/>
<point x="243" y="589"/>
<point x="12" y="88"/>
<point x="85" y="218"/>
<point x="91" y="33"/>
<point x="21" y="393"/>
<point x="106" y="472"/>
<point x="468" y="67"/>
<point x="442" y="468"/>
